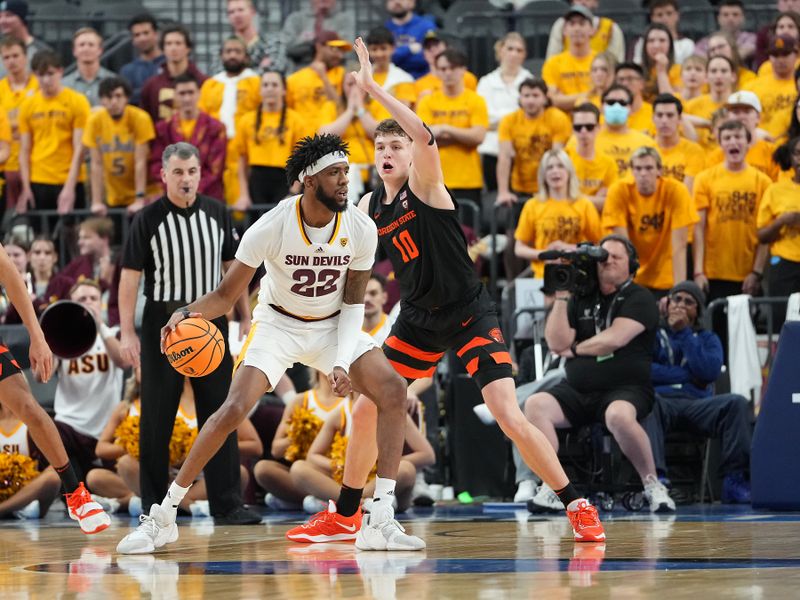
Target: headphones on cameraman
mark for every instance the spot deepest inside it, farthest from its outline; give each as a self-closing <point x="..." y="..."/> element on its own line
<point x="633" y="255"/>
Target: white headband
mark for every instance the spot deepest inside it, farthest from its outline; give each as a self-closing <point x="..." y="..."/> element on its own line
<point x="323" y="163"/>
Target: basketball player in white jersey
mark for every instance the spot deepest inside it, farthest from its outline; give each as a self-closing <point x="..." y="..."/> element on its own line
<point x="318" y="257"/>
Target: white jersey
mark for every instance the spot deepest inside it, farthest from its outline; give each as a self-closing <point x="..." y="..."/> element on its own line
<point x="15" y="441"/>
<point x="88" y="389"/>
<point x="381" y="331"/>
<point x="306" y="266"/>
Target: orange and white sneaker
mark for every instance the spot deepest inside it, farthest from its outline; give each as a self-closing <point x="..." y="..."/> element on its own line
<point x="88" y="513"/>
<point x="327" y="526"/>
<point x="585" y="523"/>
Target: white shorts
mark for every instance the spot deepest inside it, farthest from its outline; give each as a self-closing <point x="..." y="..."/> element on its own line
<point x="276" y="342"/>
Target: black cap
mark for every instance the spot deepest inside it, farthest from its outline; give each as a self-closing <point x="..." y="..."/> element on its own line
<point x="691" y="288"/>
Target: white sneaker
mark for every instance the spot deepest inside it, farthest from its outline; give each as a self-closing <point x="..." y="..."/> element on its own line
<point x="157" y="578"/>
<point x="135" y="506"/>
<point x="110" y="505"/>
<point x="381" y="533"/>
<point x="313" y="505"/>
<point x="275" y="503"/>
<point x="658" y="496"/>
<point x="154" y="531"/>
<point x="526" y="490"/>
<point x="421" y="495"/>
<point x="30" y="511"/>
<point x="545" y="500"/>
<point x="200" y="508"/>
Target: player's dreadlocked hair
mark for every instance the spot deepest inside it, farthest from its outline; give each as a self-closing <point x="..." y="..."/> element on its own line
<point x="309" y="150"/>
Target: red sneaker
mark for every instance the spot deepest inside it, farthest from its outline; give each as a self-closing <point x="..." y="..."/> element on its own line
<point x="586" y="524"/>
<point x="90" y="515"/>
<point x="327" y="526"/>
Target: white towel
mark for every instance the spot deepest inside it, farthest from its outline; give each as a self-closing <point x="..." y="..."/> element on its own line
<point x="744" y="365"/>
<point x="793" y="307"/>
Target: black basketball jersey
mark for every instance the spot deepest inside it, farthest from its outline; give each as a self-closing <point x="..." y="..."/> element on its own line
<point x="427" y="248"/>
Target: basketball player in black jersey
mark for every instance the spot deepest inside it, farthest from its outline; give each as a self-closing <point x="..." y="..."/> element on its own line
<point x="443" y="306"/>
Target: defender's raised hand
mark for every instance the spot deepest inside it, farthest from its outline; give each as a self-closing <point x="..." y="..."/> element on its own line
<point x="364" y="76"/>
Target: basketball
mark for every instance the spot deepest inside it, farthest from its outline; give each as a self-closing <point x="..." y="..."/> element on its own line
<point x="195" y="348"/>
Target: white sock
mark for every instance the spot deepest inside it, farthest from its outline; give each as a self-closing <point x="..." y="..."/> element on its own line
<point x="175" y="494"/>
<point x="573" y="506"/>
<point x="384" y="488"/>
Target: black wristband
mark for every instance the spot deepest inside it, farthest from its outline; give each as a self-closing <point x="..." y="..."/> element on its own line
<point x="185" y="312"/>
<point x="574" y="348"/>
<point x="758" y="275"/>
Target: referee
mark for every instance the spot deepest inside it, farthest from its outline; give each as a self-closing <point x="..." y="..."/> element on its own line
<point x="181" y="243"/>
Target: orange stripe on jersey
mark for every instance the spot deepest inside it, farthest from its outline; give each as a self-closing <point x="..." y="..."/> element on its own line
<point x="3" y="349"/>
<point x="300" y="223"/>
<point x="338" y="217"/>
<point x="475" y="342"/>
<point x="401" y="346"/>
<point x="410" y="373"/>
<point x="501" y="358"/>
<point x="472" y="366"/>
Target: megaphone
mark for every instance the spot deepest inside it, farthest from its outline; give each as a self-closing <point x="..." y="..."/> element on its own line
<point x="69" y="328"/>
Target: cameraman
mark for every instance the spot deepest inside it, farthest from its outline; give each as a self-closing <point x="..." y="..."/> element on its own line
<point x="607" y="337"/>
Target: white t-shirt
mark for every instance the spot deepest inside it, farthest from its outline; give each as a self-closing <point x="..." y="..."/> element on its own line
<point x="501" y="100"/>
<point x="89" y="387"/>
<point x="15" y="441"/>
<point x="307" y="267"/>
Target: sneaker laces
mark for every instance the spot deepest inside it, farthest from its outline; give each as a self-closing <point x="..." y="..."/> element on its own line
<point x="586" y="515"/>
<point x="148" y="525"/>
<point x="323" y="515"/>
<point x="78" y="498"/>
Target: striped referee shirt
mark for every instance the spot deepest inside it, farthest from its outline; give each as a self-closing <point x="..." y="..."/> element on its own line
<point x="180" y="250"/>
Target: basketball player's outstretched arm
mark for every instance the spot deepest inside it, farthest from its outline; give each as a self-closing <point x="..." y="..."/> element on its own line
<point x="40" y="356"/>
<point x="426" y="170"/>
<point x="216" y="303"/>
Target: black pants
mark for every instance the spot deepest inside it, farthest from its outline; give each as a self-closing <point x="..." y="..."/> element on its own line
<point x="267" y="184"/>
<point x="784" y="280"/>
<point x="45" y="197"/>
<point x="161" y="393"/>
<point x="725" y="416"/>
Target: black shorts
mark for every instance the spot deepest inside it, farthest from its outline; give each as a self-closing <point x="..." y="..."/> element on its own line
<point x="585" y="409"/>
<point x="419" y="339"/>
<point x="8" y="364"/>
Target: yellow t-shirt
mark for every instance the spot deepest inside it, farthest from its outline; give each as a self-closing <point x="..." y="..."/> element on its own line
<point x="593" y="175"/>
<point x="531" y="138"/>
<point x="600" y="38"/>
<point x="642" y="119"/>
<point x="248" y="96"/>
<point x="649" y="222"/>
<point x="685" y="159"/>
<point x="704" y="107"/>
<point x="570" y="75"/>
<point x="431" y="83"/>
<point x="781" y="197"/>
<point x="305" y="92"/>
<point x="405" y="91"/>
<point x="461" y="165"/>
<point x="187" y="127"/>
<point x="51" y="123"/>
<point x="117" y="140"/>
<point x="269" y="150"/>
<point x="10" y="102"/>
<point x="620" y="146"/>
<point x="744" y="77"/>
<point x="731" y="201"/>
<point x="759" y="155"/>
<point x="361" y="146"/>
<point x="777" y="102"/>
<point x="545" y="221"/>
<point x="766" y="68"/>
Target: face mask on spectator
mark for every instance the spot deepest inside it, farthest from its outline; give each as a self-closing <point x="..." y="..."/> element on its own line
<point x="615" y="114"/>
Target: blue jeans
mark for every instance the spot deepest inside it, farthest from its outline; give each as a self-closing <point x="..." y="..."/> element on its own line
<point x="726" y="416"/>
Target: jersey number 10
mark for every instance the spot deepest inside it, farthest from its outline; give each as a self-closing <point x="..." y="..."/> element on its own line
<point x="405" y="244"/>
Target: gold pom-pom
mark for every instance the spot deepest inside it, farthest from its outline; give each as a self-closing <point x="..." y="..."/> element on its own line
<point x="16" y="471"/>
<point x="127" y="435"/>
<point x="303" y="427"/>
<point x="181" y="442"/>
<point x="338" y="454"/>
